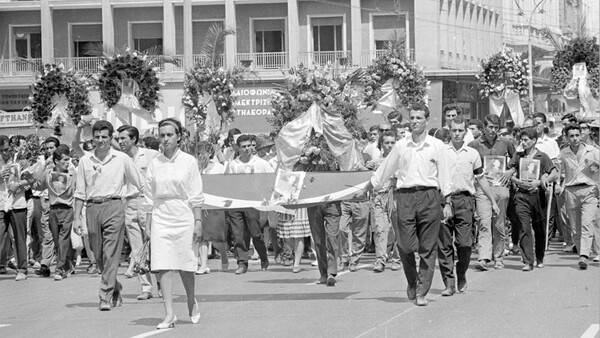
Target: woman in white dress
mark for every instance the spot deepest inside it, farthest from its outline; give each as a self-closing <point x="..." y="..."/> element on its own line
<point x="174" y="191"/>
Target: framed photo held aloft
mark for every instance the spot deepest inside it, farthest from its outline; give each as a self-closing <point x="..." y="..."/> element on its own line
<point x="529" y="169"/>
<point x="59" y="182"/>
<point x="494" y="168"/>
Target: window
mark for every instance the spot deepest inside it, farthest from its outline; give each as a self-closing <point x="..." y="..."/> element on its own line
<point x="327" y="34"/>
<point x="80" y="48"/>
<point x="146" y="35"/>
<point x="144" y="43"/>
<point x="387" y="28"/>
<point x="269" y="36"/>
<point x="85" y="36"/>
<point x="28" y="42"/>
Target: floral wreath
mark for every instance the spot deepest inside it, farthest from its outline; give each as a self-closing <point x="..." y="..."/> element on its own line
<point x="333" y="91"/>
<point x="409" y="82"/>
<point x="53" y="81"/>
<point x="142" y="69"/>
<point x="216" y="82"/>
<point x="503" y="70"/>
<point x="581" y="49"/>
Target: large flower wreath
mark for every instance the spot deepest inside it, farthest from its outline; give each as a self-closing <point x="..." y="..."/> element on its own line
<point x="581" y="49"/>
<point x="217" y="83"/>
<point x="142" y="68"/>
<point x="409" y="82"/>
<point x="335" y="92"/>
<point x="503" y="70"/>
<point x="52" y="83"/>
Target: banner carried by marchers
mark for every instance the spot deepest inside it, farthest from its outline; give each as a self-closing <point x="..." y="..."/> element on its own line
<point x="255" y="190"/>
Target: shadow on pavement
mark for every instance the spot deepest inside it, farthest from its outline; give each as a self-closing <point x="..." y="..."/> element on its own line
<point x="271" y="297"/>
<point x="285" y="281"/>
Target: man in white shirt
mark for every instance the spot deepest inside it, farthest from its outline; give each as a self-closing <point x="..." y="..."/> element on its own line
<point x="247" y="222"/>
<point x="135" y="215"/>
<point x="371" y="151"/>
<point x="421" y="172"/>
<point x="451" y="111"/>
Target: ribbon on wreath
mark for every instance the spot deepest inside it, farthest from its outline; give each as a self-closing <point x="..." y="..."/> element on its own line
<point x="390" y="99"/>
<point x="578" y="87"/>
<point x="59" y="114"/>
<point x="513" y="102"/>
<point x="129" y="103"/>
<point x="296" y="134"/>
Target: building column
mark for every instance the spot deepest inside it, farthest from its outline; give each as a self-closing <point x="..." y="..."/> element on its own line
<point x="293" y="33"/>
<point x="108" y="26"/>
<point x="47" y="32"/>
<point x="230" y="40"/>
<point x="169" y="40"/>
<point x="188" y="34"/>
<point x="356" y="23"/>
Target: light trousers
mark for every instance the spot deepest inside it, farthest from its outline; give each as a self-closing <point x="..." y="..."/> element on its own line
<point x="490" y="245"/>
<point x="582" y="205"/>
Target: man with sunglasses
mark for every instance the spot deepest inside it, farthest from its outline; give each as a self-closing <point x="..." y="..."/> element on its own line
<point x="491" y="235"/>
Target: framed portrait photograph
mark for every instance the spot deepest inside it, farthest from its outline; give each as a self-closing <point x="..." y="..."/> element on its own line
<point x="15" y="173"/>
<point x="529" y="169"/>
<point x="592" y="170"/>
<point x="288" y="185"/>
<point x="493" y="168"/>
<point x="59" y="182"/>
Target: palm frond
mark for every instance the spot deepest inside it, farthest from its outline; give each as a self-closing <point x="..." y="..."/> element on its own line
<point x="160" y="56"/>
<point x="214" y="43"/>
<point x="98" y="49"/>
<point x="397" y="41"/>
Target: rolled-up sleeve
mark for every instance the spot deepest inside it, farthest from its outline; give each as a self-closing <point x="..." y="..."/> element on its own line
<point x="388" y="167"/>
<point x="80" y="183"/>
<point x="194" y="186"/>
<point x="444" y="171"/>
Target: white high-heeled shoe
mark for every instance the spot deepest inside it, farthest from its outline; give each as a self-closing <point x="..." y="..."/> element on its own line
<point x="196" y="318"/>
<point x="167" y="325"/>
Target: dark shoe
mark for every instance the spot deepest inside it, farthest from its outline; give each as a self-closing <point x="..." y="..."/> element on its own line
<point x="43" y="271"/>
<point x="411" y="292"/>
<point x="117" y="299"/>
<point x="104" y="305"/>
<point x="379" y="267"/>
<point x="462" y="285"/>
<point x="353" y="267"/>
<point x="322" y="280"/>
<point x="421" y="301"/>
<point x="3" y="270"/>
<point x="449" y="291"/>
<point x="331" y="281"/>
<point x="527" y="267"/>
<point x="481" y="265"/>
<point x="12" y="265"/>
<point x="575" y="249"/>
<point x="583" y="263"/>
<point x="264" y="264"/>
<point x="144" y="296"/>
<point x="242" y="269"/>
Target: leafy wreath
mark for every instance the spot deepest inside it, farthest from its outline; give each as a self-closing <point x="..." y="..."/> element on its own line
<point x="141" y="67"/>
<point x="52" y="81"/>
<point x="503" y="70"/>
<point x="409" y="82"/>
<point x="580" y="49"/>
<point x="335" y="92"/>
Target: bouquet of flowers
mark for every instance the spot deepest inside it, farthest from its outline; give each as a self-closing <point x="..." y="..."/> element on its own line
<point x="503" y="70"/>
<point x="52" y="82"/>
<point x="581" y="49"/>
<point x="409" y="82"/>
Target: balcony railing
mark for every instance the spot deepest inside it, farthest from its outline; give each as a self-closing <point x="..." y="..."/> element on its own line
<point x="84" y="64"/>
<point x="19" y="67"/>
<point x="368" y="56"/>
<point x="335" y="58"/>
<point x="262" y="60"/>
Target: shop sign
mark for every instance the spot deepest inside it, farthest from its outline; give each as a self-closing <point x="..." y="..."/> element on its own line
<point x="16" y="119"/>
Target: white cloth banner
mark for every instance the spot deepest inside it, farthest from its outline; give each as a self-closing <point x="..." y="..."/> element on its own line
<point x="513" y="102"/>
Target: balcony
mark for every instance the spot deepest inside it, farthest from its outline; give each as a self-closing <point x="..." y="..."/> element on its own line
<point x="262" y="60"/>
<point x="368" y="56"/>
<point x="335" y="58"/>
<point x="83" y="64"/>
<point x="18" y="67"/>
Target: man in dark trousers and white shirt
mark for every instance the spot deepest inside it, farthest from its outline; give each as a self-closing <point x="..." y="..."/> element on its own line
<point x="421" y="172"/>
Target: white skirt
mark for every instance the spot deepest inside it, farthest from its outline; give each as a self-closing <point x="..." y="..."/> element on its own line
<point x="171" y="236"/>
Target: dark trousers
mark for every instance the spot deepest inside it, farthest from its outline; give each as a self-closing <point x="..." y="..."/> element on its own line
<point x="532" y="217"/>
<point x="106" y="229"/>
<point x="324" y="223"/>
<point x="61" y="222"/>
<point x="515" y="224"/>
<point x="419" y="215"/>
<point x="4" y="238"/>
<point x="18" y="224"/>
<point x="245" y="224"/>
<point x="458" y="228"/>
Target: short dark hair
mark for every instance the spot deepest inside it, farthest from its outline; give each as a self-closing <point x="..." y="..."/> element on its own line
<point x="542" y="116"/>
<point x="385" y="134"/>
<point x="452" y="106"/>
<point x="477" y="123"/>
<point x="458" y="120"/>
<point x="103" y="125"/>
<point x="245" y="138"/>
<point x="421" y="107"/>
<point x="131" y="130"/>
<point x="4" y="139"/>
<point x="491" y="118"/>
<point x="53" y="140"/>
<point x="61" y="150"/>
<point x="374" y="127"/>
<point x="572" y="126"/>
<point x="572" y="118"/>
<point x="151" y="142"/>
<point x="531" y="133"/>
<point x="173" y="123"/>
<point x="394" y="115"/>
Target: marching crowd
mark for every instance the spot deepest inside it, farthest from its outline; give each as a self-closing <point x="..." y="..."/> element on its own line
<point x="434" y="194"/>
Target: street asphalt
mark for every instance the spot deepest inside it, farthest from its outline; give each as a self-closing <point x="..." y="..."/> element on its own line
<point x="557" y="301"/>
